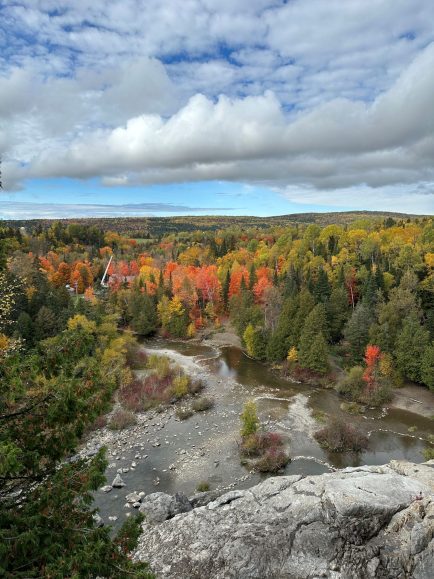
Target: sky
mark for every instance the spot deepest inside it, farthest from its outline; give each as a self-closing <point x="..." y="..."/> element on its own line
<point x="225" y="107"/>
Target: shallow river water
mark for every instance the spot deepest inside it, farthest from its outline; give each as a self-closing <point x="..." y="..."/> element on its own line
<point x="171" y="455"/>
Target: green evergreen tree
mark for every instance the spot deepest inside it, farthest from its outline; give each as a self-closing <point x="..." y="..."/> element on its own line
<point x="225" y="290"/>
<point x="427" y="366"/>
<point x="411" y="344"/>
<point x="281" y="340"/>
<point x="321" y="288"/>
<point x="313" y="349"/>
<point x="305" y="305"/>
<point x="252" y="276"/>
<point x="337" y="312"/>
<point x="45" y="323"/>
<point x="290" y="288"/>
<point x="369" y="291"/>
<point x="142" y="312"/>
<point x="356" y="331"/>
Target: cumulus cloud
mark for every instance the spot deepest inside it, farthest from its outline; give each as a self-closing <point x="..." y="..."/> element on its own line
<point x="315" y="95"/>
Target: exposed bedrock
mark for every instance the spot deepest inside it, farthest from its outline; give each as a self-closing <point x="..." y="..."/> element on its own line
<point x="356" y="523"/>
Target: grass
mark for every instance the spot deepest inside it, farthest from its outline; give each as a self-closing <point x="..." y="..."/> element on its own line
<point x="184" y="413"/>
<point x="121" y="419"/>
<point x="203" y="403"/>
<point x="320" y="416"/>
<point x="203" y="486"/>
<point x="428" y="453"/>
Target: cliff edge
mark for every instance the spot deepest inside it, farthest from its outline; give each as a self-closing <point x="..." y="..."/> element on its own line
<point x="370" y="521"/>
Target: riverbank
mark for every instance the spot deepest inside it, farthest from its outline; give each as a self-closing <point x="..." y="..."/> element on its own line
<point x="411" y="398"/>
<point x="416" y="399"/>
<point x="163" y="453"/>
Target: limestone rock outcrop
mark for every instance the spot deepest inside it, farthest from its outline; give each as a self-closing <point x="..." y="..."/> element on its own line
<point x="357" y="523"/>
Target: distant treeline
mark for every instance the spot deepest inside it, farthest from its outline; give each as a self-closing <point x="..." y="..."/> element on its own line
<point x="151" y="227"/>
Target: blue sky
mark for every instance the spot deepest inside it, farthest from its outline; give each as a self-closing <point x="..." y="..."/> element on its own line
<point x="225" y="107"/>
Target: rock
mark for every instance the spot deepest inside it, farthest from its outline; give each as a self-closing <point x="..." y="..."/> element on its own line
<point x="158" y="507"/>
<point x="133" y="497"/>
<point x="118" y="483"/>
<point x="360" y="523"/>
<point x="202" y="499"/>
<point x="106" y="488"/>
<point x="98" y="520"/>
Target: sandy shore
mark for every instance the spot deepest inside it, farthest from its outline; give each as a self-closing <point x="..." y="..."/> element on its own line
<point x="416" y="399"/>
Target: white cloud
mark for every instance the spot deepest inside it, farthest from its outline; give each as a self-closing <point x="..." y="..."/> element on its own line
<point x="309" y="93"/>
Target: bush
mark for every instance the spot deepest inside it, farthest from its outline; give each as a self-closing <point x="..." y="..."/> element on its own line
<point x="180" y="386"/>
<point x="184" y="413"/>
<point x="202" y="404"/>
<point x="428" y="454"/>
<point x="196" y="386"/>
<point x="249" y="419"/>
<point x="273" y="460"/>
<point x="339" y="436"/>
<point x="121" y="419"/>
<point x="161" y="365"/>
<point x="351" y="407"/>
<point x="202" y="487"/>
<point x="137" y="358"/>
<point x="352" y="384"/>
<point x="250" y="445"/>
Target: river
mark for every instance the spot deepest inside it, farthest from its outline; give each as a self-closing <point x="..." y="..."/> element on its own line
<point x="164" y="454"/>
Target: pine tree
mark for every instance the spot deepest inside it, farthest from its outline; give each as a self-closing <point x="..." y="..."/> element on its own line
<point x="337" y="312"/>
<point x="356" y="331"/>
<point x="225" y="290"/>
<point x="427" y="366"/>
<point x="411" y="344"/>
<point x="313" y="349"/>
<point x="281" y="340"/>
<point x="252" y="277"/>
<point x="321" y="288"/>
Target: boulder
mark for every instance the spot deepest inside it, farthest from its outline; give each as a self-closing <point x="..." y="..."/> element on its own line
<point x="158" y="507"/>
<point x="118" y="483"/>
<point x="358" y="523"/>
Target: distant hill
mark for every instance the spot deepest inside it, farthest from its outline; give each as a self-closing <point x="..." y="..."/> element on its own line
<point x="146" y="227"/>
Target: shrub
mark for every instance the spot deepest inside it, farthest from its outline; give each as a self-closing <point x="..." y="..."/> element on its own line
<point x="202" y="404"/>
<point x="196" y="386"/>
<point x="352" y="384"/>
<point x="137" y="358"/>
<point x="270" y="440"/>
<point x="339" y="436"/>
<point x="161" y="365"/>
<point x="121" y="419"/>
<point x="184" y="413"/>
<point x="273" y="460"/>
<point x="249" y="419"/>
<point x="100" y="422"/>
<point x="202" y="487"/>
<point x="378" y="396"/>
<point x="180" y="386"/>
<point x="250" y="445"/>
<point x="351" y="407"/>
<point x="428" y="454"/>
<point x="320" y="415"/>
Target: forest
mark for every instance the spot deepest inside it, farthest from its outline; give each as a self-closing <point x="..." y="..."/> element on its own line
<point x="344" y="303"/>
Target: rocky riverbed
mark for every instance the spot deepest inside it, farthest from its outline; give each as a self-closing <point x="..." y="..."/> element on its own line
<point x="162" y="453"/>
